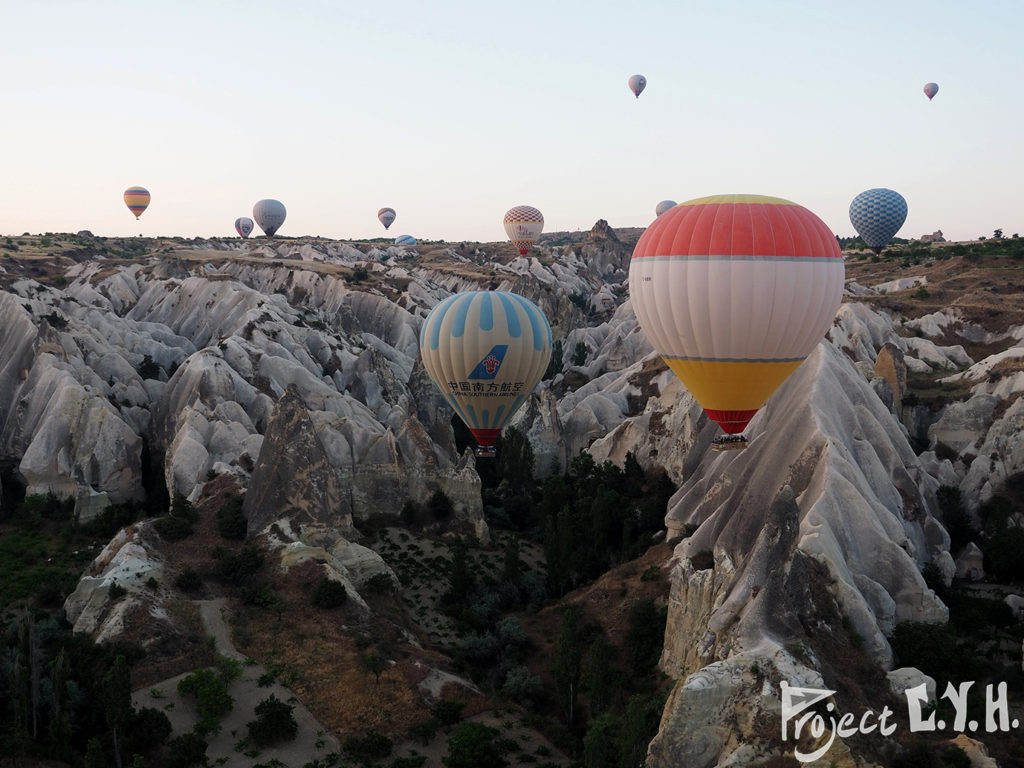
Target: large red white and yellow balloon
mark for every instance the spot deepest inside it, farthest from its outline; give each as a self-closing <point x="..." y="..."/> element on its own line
<point x="734" y="291"/>
<point x="523" y="225"/>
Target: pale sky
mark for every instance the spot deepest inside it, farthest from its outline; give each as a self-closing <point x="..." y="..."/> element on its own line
<point x="452" y="112"/>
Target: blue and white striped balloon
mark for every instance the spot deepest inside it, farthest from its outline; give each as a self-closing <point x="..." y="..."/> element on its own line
<point x="485" y="351"/>
<point x="405" y="240"/>
<point x="877" y="215"/>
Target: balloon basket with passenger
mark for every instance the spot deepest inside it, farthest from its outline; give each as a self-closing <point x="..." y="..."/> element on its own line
<point x="729" y="443"/>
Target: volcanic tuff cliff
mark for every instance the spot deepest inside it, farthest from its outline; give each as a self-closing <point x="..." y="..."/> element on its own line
<point x="294" y="368"/>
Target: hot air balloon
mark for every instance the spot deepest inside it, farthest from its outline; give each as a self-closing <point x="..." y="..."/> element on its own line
<point x="663" y="206"/>
<point x="137" y="200"/>
<point x="269" y="214"/>
<point x="386" y="216"/>
<point x="523" y="225"/>
<point x="485" y="351"/>
<point x="637" y="83"/>
<point x="930" y="89"/>
<point x="243" y="226"/>
<point x="877" y="215"/>
<point x="405" y="240"/>
<point x="734" y="291"/>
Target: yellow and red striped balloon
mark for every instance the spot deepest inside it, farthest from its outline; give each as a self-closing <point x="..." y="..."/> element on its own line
<point x="734" y="291"/>
<point x="137" y="200"/>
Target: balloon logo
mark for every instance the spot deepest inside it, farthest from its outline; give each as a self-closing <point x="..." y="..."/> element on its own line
<point x="637" y="83"/>
<point x="877" y="215"/>
<point x="523" y="225"/>
<point x="930" y="89"/>
<point x="386" y="216"/>
<point x="137" y="200"/>
<point x="734" y="291"/>
<point x="243" y="226"/>
<point x="663" y="206"/>
<point x="485" y="351"/>
<point x="405" y="240"/>
<point x="269" y="214"/>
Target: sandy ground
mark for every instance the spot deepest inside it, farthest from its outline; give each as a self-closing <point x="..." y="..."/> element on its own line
<point x="311" y="743"/>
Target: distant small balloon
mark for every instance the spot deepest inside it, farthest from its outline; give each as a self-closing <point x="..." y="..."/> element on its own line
<point x="663" y="206"/>
<point x="269" y="214"/>
<point x="930" y="89"/>
<point x="523" y="225"/>
<point x="386" y="216"/>
<point x="243" y="226"/>
<point x="137" y="200"/>
<point x="405" y="240"/>
<point x="637" y="83"/>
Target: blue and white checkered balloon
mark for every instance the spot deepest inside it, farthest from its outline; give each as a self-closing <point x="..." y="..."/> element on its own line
<point x="877" y="215"/>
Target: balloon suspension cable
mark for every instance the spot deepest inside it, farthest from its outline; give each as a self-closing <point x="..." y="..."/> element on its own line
<point x="485" y="451"/>
<point x="729" y="443"/>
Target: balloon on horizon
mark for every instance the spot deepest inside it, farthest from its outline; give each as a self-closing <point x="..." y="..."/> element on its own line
<point x="137" y="199"/>
<point x="523" y="225"/>
<point x="707" y="280"/>
<point x="930" y="89"/>
<point x="663" y="206"/>
<point x="386" y="216"/>
<point x="243" y="226"/>
<point x="270" y="215"/>
<point x="877" y="215"/>
<point x="405" y="240"/>
<point x="637" y="83"/>
<point x="485" y="351"/>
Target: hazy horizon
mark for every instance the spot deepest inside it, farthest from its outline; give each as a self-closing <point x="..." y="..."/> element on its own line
<point x="451" y="113"/>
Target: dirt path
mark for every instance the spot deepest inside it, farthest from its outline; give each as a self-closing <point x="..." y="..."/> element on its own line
<point x="312" y="742"/>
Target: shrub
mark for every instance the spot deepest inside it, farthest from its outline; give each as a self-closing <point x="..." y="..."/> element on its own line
<point x="188" y="581"/>
<point x="148" y="368"/>
<point x="274" y="722"/>
<point x="173" y="528"/>
<point x="424" y="731"/>
<point x="448" y="711"/>
<point x="186" y="750"/>
<point x="368" y="749"/>
<point x="237" y="567"/>
<point x="212" y="698"/>
<point x="231" y="520"/>
<point x="328" y="593"/>
<point x="117" y="591"/>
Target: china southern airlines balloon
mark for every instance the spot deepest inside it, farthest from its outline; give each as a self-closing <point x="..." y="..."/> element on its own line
<point x="734" y="291"/>
<point x="405" y="240"/>
<point x="877" y="215"/>
<point x="137" y="200"/>
<point x="485" y="351"/>
<point x="930" y="89"/>
<point x="269" y="214"/>
<point x="663" y="206"/>
<point x="637" y="83"/>
<point x="386" y="216"/>
<point x="243" y="226"/>
<point x="523" y="225"/>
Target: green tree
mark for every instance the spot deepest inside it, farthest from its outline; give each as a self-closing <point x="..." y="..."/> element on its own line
<point x="601" y="743"/>
<point x="645" y="635"/>
<point x="274" y="722"/>
<point x="555" y="363"/>
<point x="117" y="702"/>
<point x="601" y="674"/>
<point x="373" y="664"/>
<point x="569" y="661"/>
<point x="639" y="725"/>
<point x="516" y="461"/>
<point x="460" y="579"/>
<point x="579" y="354"/>
<point x="511" y="570"/>
<point x="474" y="745"/>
